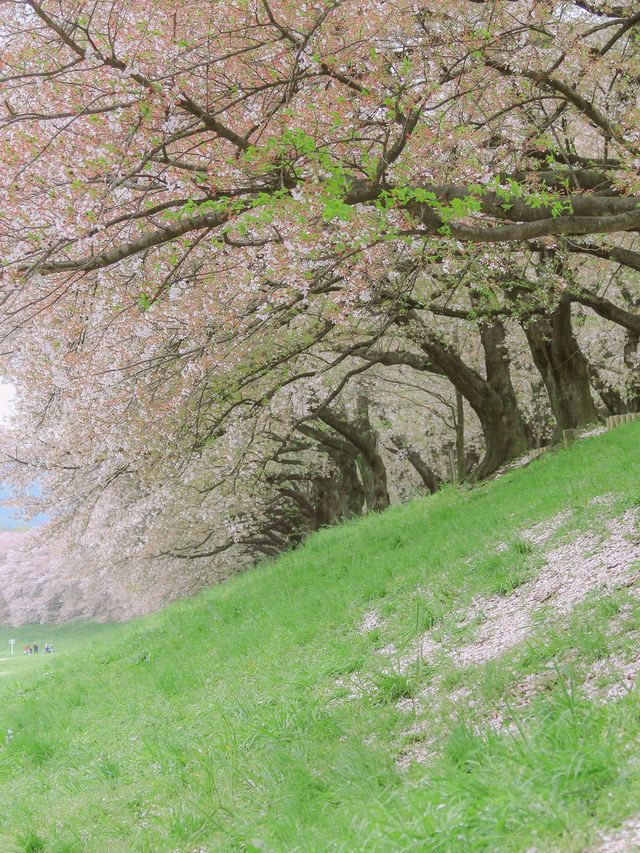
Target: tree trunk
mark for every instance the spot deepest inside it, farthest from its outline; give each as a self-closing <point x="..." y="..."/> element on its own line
<point x="363" y="438"/>
<point x="461" y="457"/>
<point x="632" y="362"/>
<point x="496" y="407"/>
<point x="611" y="397"/>
<point x="428" y="476"/>
<point x="498" y="370"/>
<point x="563" y="367"/>
<point x="342" y="496"/>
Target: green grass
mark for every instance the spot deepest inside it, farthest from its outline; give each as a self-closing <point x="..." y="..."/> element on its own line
<point x="258" y="716"/>
<point x="68" y="640"/>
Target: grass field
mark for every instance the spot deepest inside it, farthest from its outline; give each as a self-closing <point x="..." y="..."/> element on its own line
<point x="261" y="715"/>
<point x="67" y="640"/>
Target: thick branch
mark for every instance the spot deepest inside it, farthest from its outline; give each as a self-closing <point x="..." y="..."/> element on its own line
<point x="607" y="309"/>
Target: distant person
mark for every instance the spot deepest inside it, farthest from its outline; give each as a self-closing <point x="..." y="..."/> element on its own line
<point x="26" y="648"/>
<point x="36" y="648"/>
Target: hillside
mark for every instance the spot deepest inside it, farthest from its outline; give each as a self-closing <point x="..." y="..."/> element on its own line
<point x="455" y="675"/>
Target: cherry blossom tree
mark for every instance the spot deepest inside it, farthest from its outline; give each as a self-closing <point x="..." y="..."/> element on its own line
<point x="205" y="206"/>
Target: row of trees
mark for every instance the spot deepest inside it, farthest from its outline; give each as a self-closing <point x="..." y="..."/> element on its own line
<point x="266" y="268"/>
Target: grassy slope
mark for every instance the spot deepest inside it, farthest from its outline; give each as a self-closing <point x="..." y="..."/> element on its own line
<point x="220" y="724"/>
<point x="68" y="640"/>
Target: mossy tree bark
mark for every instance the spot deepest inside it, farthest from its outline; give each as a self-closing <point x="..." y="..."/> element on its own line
<point x="492" y="399"/>
<point x="360" y="434"/>
<point x="563" y="367"/>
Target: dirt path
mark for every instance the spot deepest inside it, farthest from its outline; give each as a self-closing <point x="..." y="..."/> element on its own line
<point x="625" y="840"/>
<point x="605" y="559"/>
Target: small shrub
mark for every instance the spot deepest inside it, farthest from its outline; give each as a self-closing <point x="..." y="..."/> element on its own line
<point x="392" y="686"/>
<point x="465" y="747"/>
<point x="504" y="571"/>
<point x="522" y="547"/>
<point x="30" y="842"/>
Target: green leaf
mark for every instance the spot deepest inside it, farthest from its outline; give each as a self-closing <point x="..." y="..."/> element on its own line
<point x="335" y="208"/>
